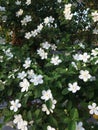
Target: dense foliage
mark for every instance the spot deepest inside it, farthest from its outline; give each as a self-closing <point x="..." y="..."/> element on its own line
<point x="49" y="64"/>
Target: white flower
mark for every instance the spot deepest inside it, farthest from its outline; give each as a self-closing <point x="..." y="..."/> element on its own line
<point x="77" y="57"/>
<point x="17" y="118"/>
<point x="45" y="109"/>
<point x="42" y="53"/>
<point x="22" y="75"/>
<point x="46" y="95"/>
<point x="46" y="45"/>
<point x="55" y="60"/>
<point x="50" y="128"/>
<point x="15" y="105"/>
<point x="8" y="53"/>
<point x="22" y="125"/>
<point x="67" y="12"/>
<point x="24" y="85"/>
<point x="18" y="2"/>
<point x="28" y="35"/>
<point x="53" y="47"/>
<point x="95" y="16"/>
<point x="39" y="28"/>
<point x="79" y="126"/>
<point x="59" y="1"/>
<point x="94" y="52"/>
<point x="74" y="65"/>
<point x="49" y="110"/>
<point x="37" y="79"/>
<point x="26" y="19"/>
<point x="73" y="87"/>
<point x="27" y="63"/>
<point x="28" y="2"/>
<point x="93" y="109"/>
<point x="30" y="74"/>
<point x="84" y="75"/>
<point x="84" y="57"/>
<point x="48" y="20"/>
<point x="19" y="13"/>
<point x="95" y="31"/>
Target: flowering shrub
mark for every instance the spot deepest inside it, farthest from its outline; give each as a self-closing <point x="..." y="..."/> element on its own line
<point x="49" y="64"/>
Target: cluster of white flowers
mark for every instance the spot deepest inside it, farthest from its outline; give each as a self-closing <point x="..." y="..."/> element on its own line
<point x="82" y="57"/>
<point x="55" y="60"/>
<point x="95" y="16"/>
<point x="34" y="78"/>
<point x="15" y="105"/>
<point x="21" y="124"/>
<point x="93" y="108"/>
<point x="79" y="126"/>
<point x="47" y="22"/>
<point x="50" y="128"/>
<point x="47" y="95"/>
<point x="67" y="12"/>
<point x="73" y="87"/>
<point x="26" y="20"/>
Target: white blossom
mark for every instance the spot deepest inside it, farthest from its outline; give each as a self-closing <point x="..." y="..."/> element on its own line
<point x="84" y="75"/>
<point x="55" y="60"/>
<point x="22" y="75"/>
<point x="73" y="87"/>
<point x="19" y="13"/>
<point x="95" y="16"/>
<point x="94" y="52"/>
<point x="18" y="2"/>
<point x="59" y="1"/>
<point x="79" y="126"/>
<point x="67" y="12"/>
<point x="50" y="128"/>
<point x="28" y="35"/>
<point x="46" y="95"/>
<point x="15" y="105"/>
<point x="37" y="79"/>
<point x="27" y="63"/>
<point x="22" y="125"/>
<point x="93" y="109"/>
<point x="26" y="19"/>
<point x="42" y="53"/>
<point x="28" y="2"/>
<point x="46" y="45"/>
<point x="17" y="118"/>
<point x="84" y="57"/>
<point x="24" y="85"/>
<point x="31" y="74"/>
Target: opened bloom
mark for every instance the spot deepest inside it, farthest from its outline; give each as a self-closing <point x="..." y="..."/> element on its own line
<point x="73" y="87"/>
<point x="15" y="105"/>
<point x="84" y="75"/>
<point x="24" y="85"/>
<point x="93" y="109"/>
<point x="46" y="95"/>
<point x="79" y="126"/>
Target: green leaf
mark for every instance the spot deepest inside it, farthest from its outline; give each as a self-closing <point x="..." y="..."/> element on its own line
<point x="29" y="115"/>
<point x="1" y="86"/>
<point x="72" y="125"/>
<point x="74" y="114"/>
<point x="65" y="91"/>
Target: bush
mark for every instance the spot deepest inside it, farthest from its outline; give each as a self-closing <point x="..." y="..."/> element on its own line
<point x="49" y="64"/>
